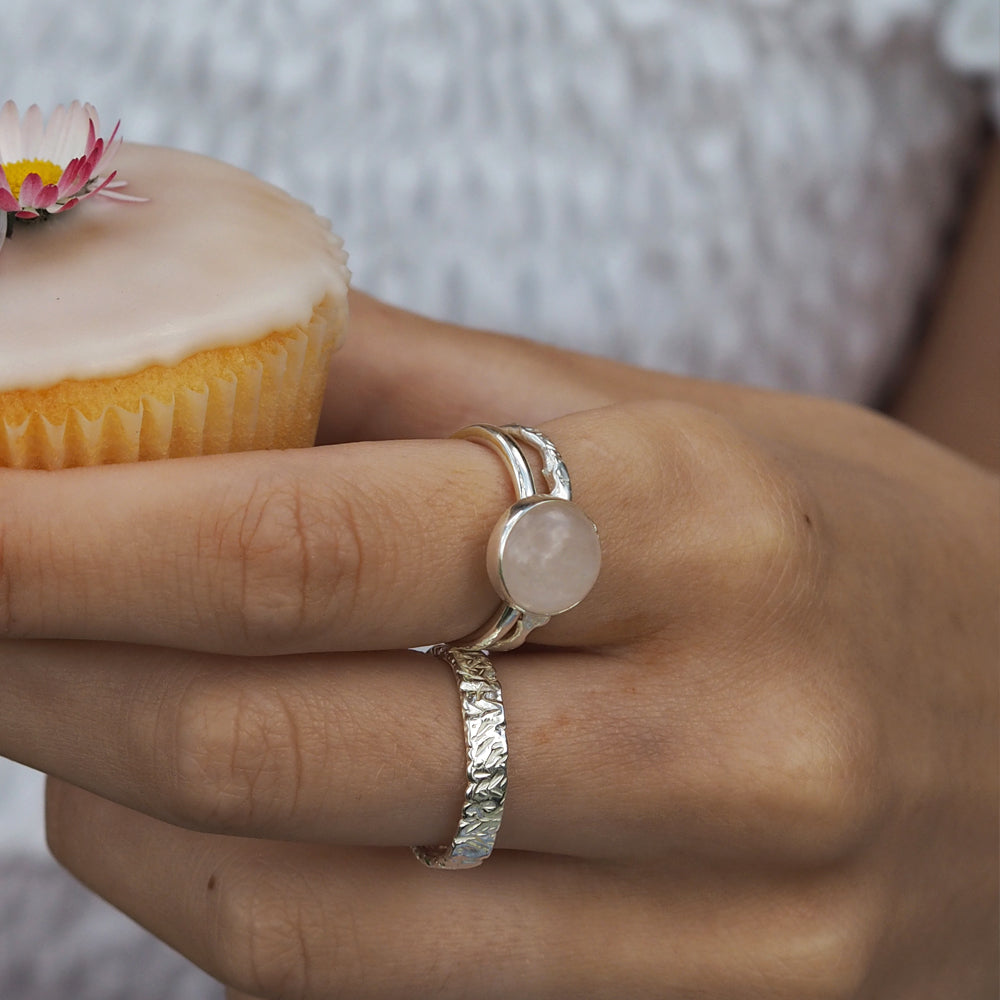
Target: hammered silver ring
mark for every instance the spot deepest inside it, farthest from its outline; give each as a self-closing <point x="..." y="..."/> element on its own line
<point x="486" y="762"/>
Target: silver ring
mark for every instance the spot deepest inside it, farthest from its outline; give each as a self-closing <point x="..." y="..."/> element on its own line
<point x="544" y="554"/>
<point x="486" y="762"/>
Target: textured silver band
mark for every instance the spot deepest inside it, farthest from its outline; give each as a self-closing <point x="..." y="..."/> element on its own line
<point x="510" y="624"/>
<point x="486" y="766"/>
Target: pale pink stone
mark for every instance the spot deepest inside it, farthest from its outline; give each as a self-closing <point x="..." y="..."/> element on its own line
<point x="550" y="558"/>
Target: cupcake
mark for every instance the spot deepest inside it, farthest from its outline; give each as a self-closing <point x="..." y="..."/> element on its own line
<point x="194" y="314"/>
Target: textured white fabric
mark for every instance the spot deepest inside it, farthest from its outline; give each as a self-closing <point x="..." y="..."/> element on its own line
<point x="744" y="189"/>
<point x="60" y="942"/>
<point x="20" y="812"/>
<point x="970" y="41"/>
<point x="751" y="189"/>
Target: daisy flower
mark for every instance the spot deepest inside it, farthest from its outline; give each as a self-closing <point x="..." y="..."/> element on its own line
<point x="48" y="168"/>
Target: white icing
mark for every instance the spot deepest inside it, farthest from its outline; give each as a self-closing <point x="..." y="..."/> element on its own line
<point x="214" y="258"/>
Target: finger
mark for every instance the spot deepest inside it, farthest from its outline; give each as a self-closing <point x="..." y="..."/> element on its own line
<point x="400" y="375"/>
<point x="403" y="375"/>
<point x="321" y="923"/>
<point x="608" y="758"/>
<point x="296" y="750"/>
<point x="383" y="545"/>
<point x="275" y="552"/>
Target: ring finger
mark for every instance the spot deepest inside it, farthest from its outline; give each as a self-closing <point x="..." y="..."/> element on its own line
<point x="358" y="750"/>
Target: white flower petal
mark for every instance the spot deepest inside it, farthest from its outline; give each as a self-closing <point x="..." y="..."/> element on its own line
<point x="93" y="116"/>
<point x="3" y="228"/>
<point x="109" y="192"/>
<point x="10" y="133"/>
<point x="32" y="131"/>
<point x="52" y="138"/>
<point x="77" y="130"/>
<point x="59" y="142"/>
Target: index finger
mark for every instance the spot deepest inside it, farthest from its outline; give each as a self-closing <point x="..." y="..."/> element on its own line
<point x="371" y="546"/>
<point x="253" y="553"/>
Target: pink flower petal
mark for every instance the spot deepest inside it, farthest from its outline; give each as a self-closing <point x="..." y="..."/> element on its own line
<point x="94" y="154"/>
<point x="8" y="203"/>
<point x="100" y="188"/>
<point x="31" y="189"/>
<point x="91" y="137"/>
<point x="73" y="177"/>
<point x="25" y="213"/>
<point x="91" y="113"/>
<point x="47" y="196"/>
<point x="57" y="208"/>
<point x="111" y="146"/>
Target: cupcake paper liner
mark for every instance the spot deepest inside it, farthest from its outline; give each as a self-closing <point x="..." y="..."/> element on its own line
<point x="271" y="402"/>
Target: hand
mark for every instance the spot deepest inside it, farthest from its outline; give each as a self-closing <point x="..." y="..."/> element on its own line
<point x="758" y="761"/>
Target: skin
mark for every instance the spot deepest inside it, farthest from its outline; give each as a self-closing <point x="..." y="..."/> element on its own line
<point x="759" y="761"/>
<point x="950" y="393"/>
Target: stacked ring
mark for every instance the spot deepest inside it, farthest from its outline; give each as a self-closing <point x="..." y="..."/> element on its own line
<point x="544" y="555"/>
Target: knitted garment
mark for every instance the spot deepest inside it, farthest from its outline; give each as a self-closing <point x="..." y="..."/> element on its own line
<point x="752" y="190"/>
<point x="60" y="942"/>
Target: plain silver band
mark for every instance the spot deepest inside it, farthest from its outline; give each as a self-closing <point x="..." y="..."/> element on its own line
<point x="509" y="626"/>
<point x="501" y="440"/>
<point x="486" y="768"/>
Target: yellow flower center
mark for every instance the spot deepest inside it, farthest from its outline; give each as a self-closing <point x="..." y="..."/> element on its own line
<point x="19" y="169"/>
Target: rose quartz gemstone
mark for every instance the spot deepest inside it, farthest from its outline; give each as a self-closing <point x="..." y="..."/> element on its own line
<point x="550" y="558"/>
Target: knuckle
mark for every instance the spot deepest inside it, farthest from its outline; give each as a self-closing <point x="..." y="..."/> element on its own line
<point x="764" y="521"/>
<point x="776" y="535"/>
<point x="282" y="559"/>
<point x="742" y="522"/>
<point x="263" y="933"/>
<point x="235" y="755"/>
<point x="825" y="948"/>
<point x="818" y="780"/>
